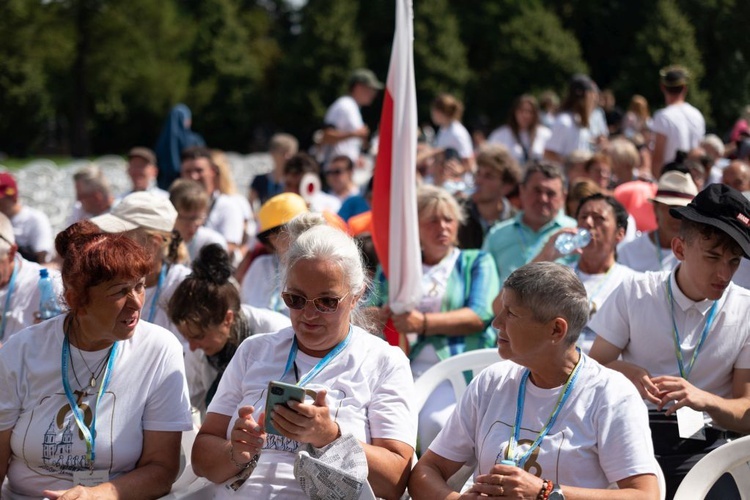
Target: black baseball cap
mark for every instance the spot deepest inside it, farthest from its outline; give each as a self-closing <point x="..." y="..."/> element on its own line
<point x="722" y="207"/>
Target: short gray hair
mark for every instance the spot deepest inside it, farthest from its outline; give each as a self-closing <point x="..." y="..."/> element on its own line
<point x="432" y="197"/>
<point x="550" y="291"/>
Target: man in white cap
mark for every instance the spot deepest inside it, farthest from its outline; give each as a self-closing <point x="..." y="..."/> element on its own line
<point x="652" y="251"/>
<point x="344" y="128"/>
<point x="19" y="292"/>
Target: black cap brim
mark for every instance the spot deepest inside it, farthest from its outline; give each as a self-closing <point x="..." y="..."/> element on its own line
<point x="689" y="212"/>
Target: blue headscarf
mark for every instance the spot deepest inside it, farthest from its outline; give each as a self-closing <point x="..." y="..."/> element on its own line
<point x="175" y="136"/>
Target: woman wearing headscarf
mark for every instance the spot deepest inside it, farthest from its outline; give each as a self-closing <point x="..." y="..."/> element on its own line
<point x="175" y="136"/>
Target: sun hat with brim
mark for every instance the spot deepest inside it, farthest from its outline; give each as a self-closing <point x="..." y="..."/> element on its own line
<point x="722" y="207"/>
<point x="675" y="188"/>
<point x="139" y="210"/>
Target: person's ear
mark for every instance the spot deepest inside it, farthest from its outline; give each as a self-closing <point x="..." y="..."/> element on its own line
<point x="678" y="247"/>
<point x="229" y="318"/>
<point x="619" y="234"/>
<point x="559" y="329"/>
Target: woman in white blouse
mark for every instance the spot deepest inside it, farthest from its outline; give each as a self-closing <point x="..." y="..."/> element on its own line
<point x="523" y="135"/>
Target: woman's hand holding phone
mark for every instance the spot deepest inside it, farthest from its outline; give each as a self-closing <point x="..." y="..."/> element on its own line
<point x="306" y="423"/>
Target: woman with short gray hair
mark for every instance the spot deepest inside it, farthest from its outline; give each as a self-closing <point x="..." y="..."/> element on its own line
<point x="550" y="422"/>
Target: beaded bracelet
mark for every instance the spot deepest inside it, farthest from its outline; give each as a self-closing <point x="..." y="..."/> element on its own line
<point x="547" y="486"/>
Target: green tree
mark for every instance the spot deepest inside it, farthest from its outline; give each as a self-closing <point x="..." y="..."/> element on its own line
<point x="533" y="52"/>
<point x="317" y="64"/>
<point x="440" y="63"/>
<point x="721" y="36"/>
<point x="229" y="59"/>
<point x="31" y="46"/>
<point x="668" y="37"/>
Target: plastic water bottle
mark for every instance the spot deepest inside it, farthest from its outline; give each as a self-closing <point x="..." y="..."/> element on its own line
<point x="48" y="305"/>
<point x="567" y="242"/>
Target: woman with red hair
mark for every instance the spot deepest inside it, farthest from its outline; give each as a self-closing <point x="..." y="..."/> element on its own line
<point x="93" y="402"/>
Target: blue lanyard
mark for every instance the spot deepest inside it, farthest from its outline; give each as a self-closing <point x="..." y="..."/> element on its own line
<point x="321" y="364"/>
<point x="11" y="287"/>
<point x="685" y="371"/>
<point x="89" y="434"/>
<point x="155" y="299"/>
<point x="519" y="459"/>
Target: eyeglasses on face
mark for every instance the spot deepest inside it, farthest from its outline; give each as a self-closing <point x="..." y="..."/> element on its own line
<point x="325" y="305"/>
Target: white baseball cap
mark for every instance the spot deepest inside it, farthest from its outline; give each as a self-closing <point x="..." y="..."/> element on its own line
<point x="139" y="209"/>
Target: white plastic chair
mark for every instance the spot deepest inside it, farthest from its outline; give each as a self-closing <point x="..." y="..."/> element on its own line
<point x="732" y="457"/>
<point x="452" y="369"/>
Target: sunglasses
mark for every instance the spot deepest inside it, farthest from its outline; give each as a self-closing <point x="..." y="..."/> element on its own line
<point x="334" y="172"/>
<point x="325" y="305"/>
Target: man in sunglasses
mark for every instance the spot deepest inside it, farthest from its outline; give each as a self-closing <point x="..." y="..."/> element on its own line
<point x="339" y="175"/>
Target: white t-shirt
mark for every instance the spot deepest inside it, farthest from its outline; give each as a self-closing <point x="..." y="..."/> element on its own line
<point x="202" y="374"/>
<point x="504" y="136"/>
<point x="457" y="137"/>
<point x="204" y="236"/>
<point x="324" y="202"/>
<point x="682" y="125"/>
<point x="567" y="136"/>
<point x="147" y="391"/>
<point x="344" y="115"/>
<point x="261" y="287"/>
<point x="177" y="273"/>
<point x="24" y="300"/>
<point x="642" y="255"/>
<point x="369" y="386"/>
<point x="637" y="319"/>
<point x="601" y="435"/>
<point x="33" y="231"/>
<point x="227" y="217"/>
<point x="598" y="288"/>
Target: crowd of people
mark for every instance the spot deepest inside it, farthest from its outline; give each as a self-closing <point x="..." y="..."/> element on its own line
<point x="188" y="304"/>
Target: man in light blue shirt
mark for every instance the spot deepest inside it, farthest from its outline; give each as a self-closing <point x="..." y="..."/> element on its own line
<point x="517" y="241"/>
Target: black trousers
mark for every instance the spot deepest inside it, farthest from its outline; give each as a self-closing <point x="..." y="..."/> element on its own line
<point x="677" y="456"/>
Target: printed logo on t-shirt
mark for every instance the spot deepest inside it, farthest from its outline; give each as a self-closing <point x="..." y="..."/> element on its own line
<point x="54" y="445"/>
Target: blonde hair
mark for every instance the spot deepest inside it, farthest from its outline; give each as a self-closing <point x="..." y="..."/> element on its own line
<point x="623" y="152"/>
<point x="639" y="107"/>
<point x="432" y="198"/>
<point x="225" y="182"/>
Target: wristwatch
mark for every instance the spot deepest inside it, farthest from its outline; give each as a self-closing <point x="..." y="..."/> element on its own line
<point x="556" y="493"/>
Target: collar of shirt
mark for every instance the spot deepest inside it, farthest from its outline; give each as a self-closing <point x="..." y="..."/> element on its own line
<point x="684" y="302"/>
<point x="555" y="223"/>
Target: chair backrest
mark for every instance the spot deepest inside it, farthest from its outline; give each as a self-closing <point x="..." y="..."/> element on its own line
<point x="732" y="458"/>
<point x="452" y="369"/>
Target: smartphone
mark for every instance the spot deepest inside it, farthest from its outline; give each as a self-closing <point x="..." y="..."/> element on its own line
<point x="280" y="393"/>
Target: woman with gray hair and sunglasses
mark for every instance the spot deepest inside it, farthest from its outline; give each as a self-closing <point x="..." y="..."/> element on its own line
<point x="362" y="386"/>
<point x="549" y="423"/>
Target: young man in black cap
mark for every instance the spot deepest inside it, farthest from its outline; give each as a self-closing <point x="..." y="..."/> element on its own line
<point x="679" y="126"/>
<point x="684" y="335"/>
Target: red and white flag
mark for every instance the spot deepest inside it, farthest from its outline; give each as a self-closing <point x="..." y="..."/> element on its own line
<point x="394" y="204"/>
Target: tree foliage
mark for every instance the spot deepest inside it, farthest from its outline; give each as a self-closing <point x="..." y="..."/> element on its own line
<point x="666" y="38"/>
<point x="96" y="76"/>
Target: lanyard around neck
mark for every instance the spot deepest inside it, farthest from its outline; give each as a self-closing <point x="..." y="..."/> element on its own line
<point x="599" y="285"/>
<point x="155" y="299"/>
<point x="518" y="458"/>
<point x="11" y="287"/>
<point x="321" y="364"/>
<point x="685" y="371"/>
<point x="89" y="434"/>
